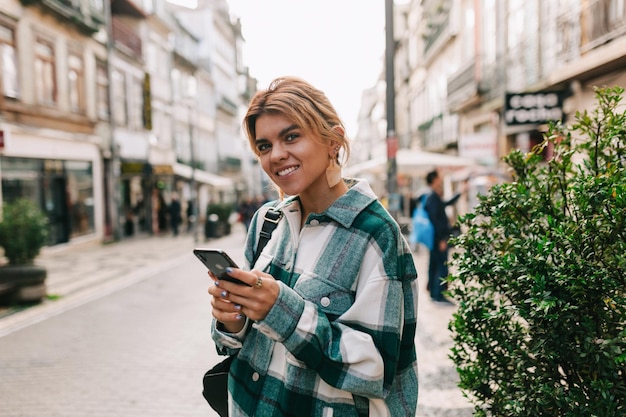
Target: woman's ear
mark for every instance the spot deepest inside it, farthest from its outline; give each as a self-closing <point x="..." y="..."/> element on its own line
<point x="335" y="145"/>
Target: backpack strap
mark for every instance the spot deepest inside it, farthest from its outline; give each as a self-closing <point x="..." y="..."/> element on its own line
<point x="270" y="221"/>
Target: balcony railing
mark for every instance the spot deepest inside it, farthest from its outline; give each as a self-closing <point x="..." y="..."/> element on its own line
<point x="72" y="11"/>
<point x="601" y="21"/>
<point x="590" y="26"/>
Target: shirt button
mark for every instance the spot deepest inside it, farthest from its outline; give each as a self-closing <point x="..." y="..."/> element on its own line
<point x="325" y="301"/>
<point x="255" y="376"/>
<point x="315" y="222"/>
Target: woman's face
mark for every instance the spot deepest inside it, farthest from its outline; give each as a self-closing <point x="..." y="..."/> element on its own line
<point x="294" y="160"/>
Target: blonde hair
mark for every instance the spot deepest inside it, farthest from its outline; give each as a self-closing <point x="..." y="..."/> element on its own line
<point x="304" y="105"/>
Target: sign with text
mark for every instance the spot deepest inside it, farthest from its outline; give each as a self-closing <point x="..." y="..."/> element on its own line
<point x="533" y="108"/>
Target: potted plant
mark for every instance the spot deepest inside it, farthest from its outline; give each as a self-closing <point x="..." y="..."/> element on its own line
<point x="23" y="232"/>
<point x="218" y="219"/>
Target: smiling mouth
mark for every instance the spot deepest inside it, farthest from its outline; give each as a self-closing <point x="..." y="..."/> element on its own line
<point x="287" y="171"/>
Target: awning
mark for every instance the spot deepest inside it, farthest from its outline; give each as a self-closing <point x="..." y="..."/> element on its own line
<point x="410" y="162"/>
<point x="203" y="177"/>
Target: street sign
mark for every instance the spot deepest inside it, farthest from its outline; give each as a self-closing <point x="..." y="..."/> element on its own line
<point x="533" y="108"/>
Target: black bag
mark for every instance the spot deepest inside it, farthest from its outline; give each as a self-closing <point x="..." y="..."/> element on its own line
<point x="215" y="381"/>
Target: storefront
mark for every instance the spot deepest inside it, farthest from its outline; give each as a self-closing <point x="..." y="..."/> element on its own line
<point x="144" y="188"/>
<point x="62" y="176"/>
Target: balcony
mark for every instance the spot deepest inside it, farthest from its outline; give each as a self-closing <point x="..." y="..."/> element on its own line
<point x="595" y="24"/>
<point x="86" y="19"/>
<point x="126" y="39"/>
<point x="227" y="105"/>
<point x="463" y="86"/>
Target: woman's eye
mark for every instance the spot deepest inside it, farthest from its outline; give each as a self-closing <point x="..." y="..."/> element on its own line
<point x="291" y="137"/>
<point x="262" y="147"/>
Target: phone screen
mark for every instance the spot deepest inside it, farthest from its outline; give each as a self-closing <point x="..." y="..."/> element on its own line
<point x="217" y="261"/>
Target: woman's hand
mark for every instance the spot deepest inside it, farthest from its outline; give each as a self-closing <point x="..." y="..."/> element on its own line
<point x="233" y="302"/>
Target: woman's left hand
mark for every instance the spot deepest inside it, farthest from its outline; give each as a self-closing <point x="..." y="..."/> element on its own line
<point x="255" y="300"/>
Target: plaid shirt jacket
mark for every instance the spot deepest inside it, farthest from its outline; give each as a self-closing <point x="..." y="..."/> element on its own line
<point x="339" y="341"/>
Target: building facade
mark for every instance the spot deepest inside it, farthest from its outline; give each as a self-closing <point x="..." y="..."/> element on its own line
<point x="109" y="107"/>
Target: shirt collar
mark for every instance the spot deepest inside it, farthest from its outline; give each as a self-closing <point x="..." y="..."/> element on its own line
<point x="347" y="207"/>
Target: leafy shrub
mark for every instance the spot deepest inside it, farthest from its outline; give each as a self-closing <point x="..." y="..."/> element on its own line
<point x="541" y="277"/>
<point x="23" y="231"/>
<point x="223" y="210"/>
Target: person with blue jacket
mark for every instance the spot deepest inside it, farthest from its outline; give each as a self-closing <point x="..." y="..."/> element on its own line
<point x="327" y="323"/>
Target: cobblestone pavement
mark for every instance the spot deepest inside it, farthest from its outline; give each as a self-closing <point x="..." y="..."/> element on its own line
<point x="127" y="335"/>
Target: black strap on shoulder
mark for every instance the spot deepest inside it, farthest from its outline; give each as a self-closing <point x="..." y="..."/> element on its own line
<point x="270" y="221"/>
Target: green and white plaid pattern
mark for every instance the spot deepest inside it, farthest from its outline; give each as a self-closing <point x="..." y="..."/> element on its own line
<point x="339" y="340"/>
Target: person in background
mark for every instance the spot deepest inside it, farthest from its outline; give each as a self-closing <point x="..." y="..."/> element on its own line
<point x="327" y="321"/>
<point x="438" y="262"/>
<point x="246" y="210"/>
<point x="191" y="216"/>
<point x="175" y="213"/>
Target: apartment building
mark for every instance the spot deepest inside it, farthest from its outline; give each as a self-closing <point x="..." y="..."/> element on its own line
<point x="477" y="78"/>
<point x="51" y="148"/>
<point x="110" y="106"/>
<point x="519" y="64"/>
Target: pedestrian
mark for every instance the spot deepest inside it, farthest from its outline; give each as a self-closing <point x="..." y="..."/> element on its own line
<point x="191" y="216"/>
<point x="326" y="325"/>
<point x="246" y="210"/>
<point x="438" y="263"/>
<point x="175" y="213"/>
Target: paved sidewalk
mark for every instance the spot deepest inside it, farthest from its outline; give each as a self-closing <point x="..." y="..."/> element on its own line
<point x="81" y="273"/>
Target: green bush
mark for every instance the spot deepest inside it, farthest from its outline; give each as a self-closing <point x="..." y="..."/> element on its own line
<point x="23" y="231"/>
<point x="223" y="210"/>
<point x="540" y="277"/>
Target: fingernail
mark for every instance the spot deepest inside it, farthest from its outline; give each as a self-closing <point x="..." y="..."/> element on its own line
<point x="217" y="283"/>
<point x="224" y="294"/>
<point x="228" y="269"/>
<point x="239" y="316"/>
<point x="237" y="307"/>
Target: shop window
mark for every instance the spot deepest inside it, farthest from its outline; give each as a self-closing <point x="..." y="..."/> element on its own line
<point x="80" y="197"/>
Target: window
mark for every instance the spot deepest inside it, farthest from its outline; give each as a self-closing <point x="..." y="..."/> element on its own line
<point x="119" y="104"/>
<point x="8" y="62"/>
<point x="45" y="73"/>
<point x="76" y="82"/>
<point x="102" y="91"/>
<point x="135" y="99"/>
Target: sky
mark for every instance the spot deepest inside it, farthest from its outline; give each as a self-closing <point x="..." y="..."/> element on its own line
<point x="336" y="45"/>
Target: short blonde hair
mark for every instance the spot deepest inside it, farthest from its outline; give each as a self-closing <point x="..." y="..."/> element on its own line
<point x="303" y="104"/>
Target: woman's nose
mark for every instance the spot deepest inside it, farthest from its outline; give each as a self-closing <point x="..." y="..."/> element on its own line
<point x="278" y="152"/>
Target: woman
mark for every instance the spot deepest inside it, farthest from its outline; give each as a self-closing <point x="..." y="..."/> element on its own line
<point x="326" y="324"/>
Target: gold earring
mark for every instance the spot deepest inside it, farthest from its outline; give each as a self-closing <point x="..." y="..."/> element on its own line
<point x="333" y="172"/>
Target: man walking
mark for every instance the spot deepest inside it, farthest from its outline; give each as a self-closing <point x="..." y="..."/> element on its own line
<point x="175" y="213"/>
<point x="438" y="263"/>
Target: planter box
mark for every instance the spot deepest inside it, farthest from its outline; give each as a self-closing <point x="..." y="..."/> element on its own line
<point x="22" y="284"/>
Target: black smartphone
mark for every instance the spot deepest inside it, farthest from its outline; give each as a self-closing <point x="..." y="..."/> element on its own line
<point x="217" y="261"/>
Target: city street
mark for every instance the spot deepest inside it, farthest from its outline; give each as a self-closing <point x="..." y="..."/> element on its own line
<point x="129" y="335"/>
